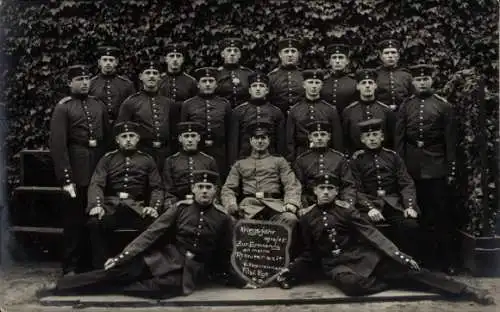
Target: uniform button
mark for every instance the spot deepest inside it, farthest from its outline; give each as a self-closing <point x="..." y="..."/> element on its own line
<point x="324" y="218"/>
<point x="201" y="213"/>
<point x="201" y="219"/>
<point x="199" y="226"/>
<point x="326" y="224"/>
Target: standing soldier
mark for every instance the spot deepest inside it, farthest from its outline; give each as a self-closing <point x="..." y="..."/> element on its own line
<point x="152" y="112"/>
<point x="78" y="139"/>
<point x="179" y="168"/>
<point x="257" y="109"/>
<point x="107" y="86"/>
<point x="308" y="109"/>
<point x="339" y="88"/>
<point x="232" y="78"/>
<point x="285" y="81"/>
<point x="426" y="140"/>
<point x="365" y="109"/>
<point x="214" y="113"/>
<point x="125" y="191"/>
<point x="394" y="83"/>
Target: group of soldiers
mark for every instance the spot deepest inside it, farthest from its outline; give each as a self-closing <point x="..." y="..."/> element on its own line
<point x="323" y="146"/>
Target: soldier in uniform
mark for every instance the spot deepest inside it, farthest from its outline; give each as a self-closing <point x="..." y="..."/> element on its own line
<point x="126" y="191"/>
<point x="79" y="131"/>
<point x="262" y="186"/>
<point x="320" y="159"/>
<point x="172" y="256"/>
<point x="286" y="82"/>
<point x="257" y="109"/>
<point x="232" y="78"/>
<point x="394" y="82"/>
<point x="426" y="140"/>
<point x="339" y="88"/>
<point x="152" y="111"/>
<point x="109" y="87"/>
<point x="178" y="171"/>
<point x="366" y="108"/>
<point x="356" y="257"/>
<point x="386" y="192"/>
<point x="214" y="113"/>
<point x="309" y="109"/>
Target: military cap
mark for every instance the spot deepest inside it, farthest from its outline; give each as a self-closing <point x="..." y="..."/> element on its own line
<point x="231" y="42"/>
<point x="365" y="74"/>
<point x="257" y="77"/>
<point x="313" y="74"/>
<point x="389" y="44"/>
<point x="338" y="46"/>
<point x="149" y="63"/>
<point x="106" y="50"/>
<point x="259" y="128"/>
<point x="189" y="126"/>
<point x="77" y="70"/>
<point x="126" y="126"/>
<point x="318" y="126"/>
<point x="205" y="72"/>
<point x="326" y="178"/>
<point x="370" y="125"/>
<point x="422" y="70"/>
<point x="175" y="48"/>
<point x="289" y="43"/>
<point x="205" y="176"/>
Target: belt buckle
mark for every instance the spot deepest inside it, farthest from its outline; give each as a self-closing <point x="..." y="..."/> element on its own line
<point x="156" y="144"/>
<point x="189" y="255"/>
<point x="209" y="143"/>
<point x="92" y="143"/>
<point x="336" y="252"/>
<point x="123" y="195"/>
<point x="259" y="195"/>
<point x="420" y="143"/>
<point x="381" y="193"/>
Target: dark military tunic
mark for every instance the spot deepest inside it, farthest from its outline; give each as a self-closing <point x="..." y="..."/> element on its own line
<point x="285" y="87"/>
<point x="248" y="113"/>
<point x="360" y="111"/>
<point x="179" y="249"/>
<point x="393" y="86"/>
<point x="214" y="113"/>
<point x="112" y="90"/>
<point x="178" y="173"/>
<point x="232" y="83"/>
<point x="321" y="161"/>
<point x="339" y="89"/>
<point x="303" y="113"/>
<point x="154" y="113"/>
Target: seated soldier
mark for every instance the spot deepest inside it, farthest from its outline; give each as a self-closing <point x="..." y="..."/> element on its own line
<point x="356" y="257"/>
<point x="265" y="183"/>
<point x="178" y="169"/>
<point x="385" y="190"/>
<point x="172" y="256"/>
<point x="320" y="159"/>
<point x="125" y="191"/>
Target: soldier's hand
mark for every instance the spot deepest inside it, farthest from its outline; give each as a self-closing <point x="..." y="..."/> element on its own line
<point x="375" y="215"/>
<point x="249" y="286"/>
<point x="97" y="211"/>
<point x="111" y="262"/>
<point x="290" y="208"/>
<point x="413" y="265"/>
<point x="149" y="211"/>
<point x="70" y="189"/>
<point x="410" y="212"/>
<point x="233" y="209"/>
<point x="393" y="107"/>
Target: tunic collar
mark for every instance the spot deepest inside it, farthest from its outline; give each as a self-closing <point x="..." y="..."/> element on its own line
<point x="260" y="155"/>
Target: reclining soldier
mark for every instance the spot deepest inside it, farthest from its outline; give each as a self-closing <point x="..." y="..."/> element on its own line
<point x="356" y="257"/>
<point x="125" y="191"/>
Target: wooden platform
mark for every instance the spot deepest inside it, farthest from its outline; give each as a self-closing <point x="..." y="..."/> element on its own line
<point x="320" y="293"/>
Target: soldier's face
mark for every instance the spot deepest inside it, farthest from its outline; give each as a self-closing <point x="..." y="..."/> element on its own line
<point x="174" y="61"/>
<point x="366" y="87"/>
<point x="207" y="85"/>
<point x="319" y="138"/>
<point x="204" y="193"/>
<point x="389" y="56"/>
<point x="422" y="83"/>
<point x="289" y="56"/>
<point x="80" y="85"/>
<point x="338" y="62"/>
<point x="189" y="141"/>
<point x="150" y="78"/>
<point x="372" y="139"/>
<point x="312" y="87"/>
<point x="108" y="64"/>
<point x="231" y="55"/>
<point x="258" y="90"/>
<point x="127" y="141"/>
<point x="325" y="193"/>
<point x="260" y="143"/>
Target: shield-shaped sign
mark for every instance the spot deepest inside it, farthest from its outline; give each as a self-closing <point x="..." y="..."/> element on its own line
<point x="260" y="250"/>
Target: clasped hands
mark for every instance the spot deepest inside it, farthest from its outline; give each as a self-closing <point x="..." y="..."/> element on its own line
<point x="377" y="216"/>
<point x="146" y="211"/>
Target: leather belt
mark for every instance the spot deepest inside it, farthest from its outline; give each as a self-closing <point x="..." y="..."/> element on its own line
<point x="261" y="195"/>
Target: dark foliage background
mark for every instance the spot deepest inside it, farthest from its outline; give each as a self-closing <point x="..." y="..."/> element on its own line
<point x="40" y="38"/>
